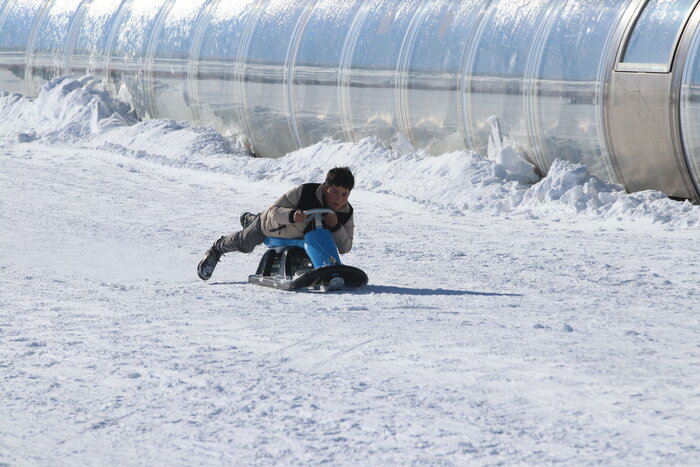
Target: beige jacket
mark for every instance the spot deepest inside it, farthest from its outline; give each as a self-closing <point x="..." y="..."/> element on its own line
<point x="278" y="219"/>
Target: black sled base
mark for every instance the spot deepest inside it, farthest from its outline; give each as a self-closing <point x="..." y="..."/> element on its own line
<point x="290" y="269"/>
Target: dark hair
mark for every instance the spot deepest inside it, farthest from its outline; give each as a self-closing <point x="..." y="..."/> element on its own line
<point x="340" y="176"/>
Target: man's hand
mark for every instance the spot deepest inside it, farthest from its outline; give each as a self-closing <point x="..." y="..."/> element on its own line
<point x="299" y="216"/>
<point x="331" y="220"/>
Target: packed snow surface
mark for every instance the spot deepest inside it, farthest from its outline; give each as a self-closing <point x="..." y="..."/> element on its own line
<point x="508" y="320"/>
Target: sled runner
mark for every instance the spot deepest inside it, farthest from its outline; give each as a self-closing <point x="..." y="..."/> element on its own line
<point x="313" y="261"/>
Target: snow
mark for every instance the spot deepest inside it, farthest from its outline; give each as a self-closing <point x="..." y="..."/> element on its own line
<point x="505" y="322"/>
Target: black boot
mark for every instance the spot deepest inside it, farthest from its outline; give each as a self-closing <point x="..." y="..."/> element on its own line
<point x="247" y="218"/>
<point x="206" y="267"/>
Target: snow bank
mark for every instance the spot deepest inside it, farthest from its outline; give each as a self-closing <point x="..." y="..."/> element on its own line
<point x="464" y="181"/>
<point x="79" y="112"/>
<point x="67" y="110"/>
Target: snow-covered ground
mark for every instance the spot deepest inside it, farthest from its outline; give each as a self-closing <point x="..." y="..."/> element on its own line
<point x="504" y="323"/>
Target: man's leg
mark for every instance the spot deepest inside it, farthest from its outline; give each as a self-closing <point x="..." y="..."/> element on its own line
<point x="244" y="241"/>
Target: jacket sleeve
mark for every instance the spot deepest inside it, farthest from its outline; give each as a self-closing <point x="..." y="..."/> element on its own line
<point x="282" y="211"/>
<point x="343" y="236"/>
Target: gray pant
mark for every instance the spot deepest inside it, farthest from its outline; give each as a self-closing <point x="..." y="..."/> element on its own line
<point x="244" y="240"/>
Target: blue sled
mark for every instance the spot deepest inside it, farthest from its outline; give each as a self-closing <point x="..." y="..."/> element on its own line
<point x="313" y="261"/>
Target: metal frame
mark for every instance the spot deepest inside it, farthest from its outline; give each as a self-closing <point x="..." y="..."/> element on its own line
<point x="649" y="67"/>
<point x="681" y="58"/>
<point x="642" y="115"/>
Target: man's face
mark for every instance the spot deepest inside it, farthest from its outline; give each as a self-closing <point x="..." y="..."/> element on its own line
<point x="336" y="196"/>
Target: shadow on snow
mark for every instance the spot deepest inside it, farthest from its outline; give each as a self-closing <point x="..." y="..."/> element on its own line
<point x="392" y="289"/>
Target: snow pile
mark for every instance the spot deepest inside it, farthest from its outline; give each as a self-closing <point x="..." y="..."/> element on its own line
<point x="573" y="188"/>
<point x="462" y="181"/>
<point x="168" y="142"/>
<point x="78" y="112"/>
<point x="458" y="181"/>
<point x="67" y="110"/>
<point x="504" y="152"/>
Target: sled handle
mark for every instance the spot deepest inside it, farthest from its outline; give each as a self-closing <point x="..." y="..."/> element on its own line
<point x="318" y="214"/>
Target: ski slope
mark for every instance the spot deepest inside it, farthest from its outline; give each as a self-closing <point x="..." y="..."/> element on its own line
<point x="505" y="323"/>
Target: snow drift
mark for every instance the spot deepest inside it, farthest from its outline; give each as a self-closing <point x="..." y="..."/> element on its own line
<point x="79" y="112"/>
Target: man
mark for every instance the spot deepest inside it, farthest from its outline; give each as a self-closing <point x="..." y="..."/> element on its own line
<point x="286" y="219"/>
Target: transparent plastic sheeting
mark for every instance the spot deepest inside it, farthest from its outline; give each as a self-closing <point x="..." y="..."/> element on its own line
<point x="655" y="34"/>
<point x="690" y="110"/>
<point x="288" y="73"/>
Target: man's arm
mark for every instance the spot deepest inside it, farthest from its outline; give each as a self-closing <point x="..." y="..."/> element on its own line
<point x="342" y="234"/>
<point x="282" y="211"/>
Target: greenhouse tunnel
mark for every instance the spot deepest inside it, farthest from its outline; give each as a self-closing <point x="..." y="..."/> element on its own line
<point x="611" y="84"/>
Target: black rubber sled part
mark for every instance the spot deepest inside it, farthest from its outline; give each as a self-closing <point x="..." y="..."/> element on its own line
<point x="320" y="277"/>
<point x="290" y="269"/>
